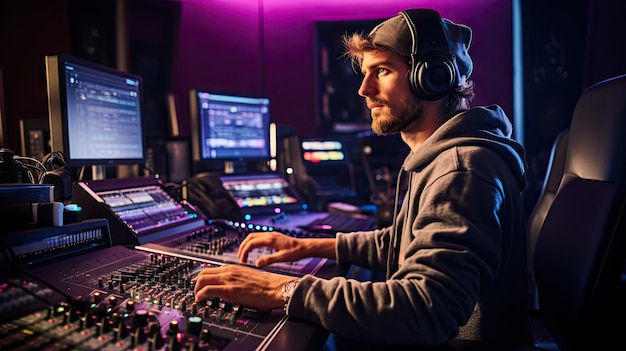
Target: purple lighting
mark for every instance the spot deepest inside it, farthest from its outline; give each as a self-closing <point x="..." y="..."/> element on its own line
<point x="268" y="47"/>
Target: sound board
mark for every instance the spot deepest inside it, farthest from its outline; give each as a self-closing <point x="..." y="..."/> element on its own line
<point x="73" y="288"/>
<point x="124" y="299"/>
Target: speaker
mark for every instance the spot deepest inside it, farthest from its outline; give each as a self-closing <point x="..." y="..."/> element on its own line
<point x="432" y="73"/>
<point x="178" y="159"/>
<point x="35" y="137"/>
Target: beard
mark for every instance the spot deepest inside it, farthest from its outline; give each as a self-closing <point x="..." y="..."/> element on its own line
<point x="386" y="122"/>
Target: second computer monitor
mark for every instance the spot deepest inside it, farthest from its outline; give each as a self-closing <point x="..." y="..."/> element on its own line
<point x="229" y="128"/>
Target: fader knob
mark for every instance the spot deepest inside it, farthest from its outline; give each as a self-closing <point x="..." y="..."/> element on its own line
<point x="130" y="306"/>
<point x="173" y="329"/>
<point x="194" y="325"/>
<point x="140" y="320"/>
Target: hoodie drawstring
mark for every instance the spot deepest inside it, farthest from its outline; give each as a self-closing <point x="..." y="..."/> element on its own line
<point x="392" y="254"/>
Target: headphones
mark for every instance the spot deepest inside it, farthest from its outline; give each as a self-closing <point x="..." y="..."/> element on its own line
<point x="432" y="73"/>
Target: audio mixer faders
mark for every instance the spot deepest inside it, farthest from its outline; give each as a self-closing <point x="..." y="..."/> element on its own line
<point x="124" y="299"/>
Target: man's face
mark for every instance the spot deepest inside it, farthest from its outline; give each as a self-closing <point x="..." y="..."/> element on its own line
<point x="387" y="92"/>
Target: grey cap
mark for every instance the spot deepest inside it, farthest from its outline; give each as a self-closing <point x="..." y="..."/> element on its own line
<point x="395" y="35"/>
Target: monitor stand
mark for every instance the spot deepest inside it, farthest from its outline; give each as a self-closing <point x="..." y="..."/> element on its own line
<point x="229" y="167"/>
<point x="98" y="172"/>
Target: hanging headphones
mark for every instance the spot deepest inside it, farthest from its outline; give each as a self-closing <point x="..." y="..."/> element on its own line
<point x="432" y="73"/>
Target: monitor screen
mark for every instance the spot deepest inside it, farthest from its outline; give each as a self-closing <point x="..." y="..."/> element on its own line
<point x="95" y="112"/>
<point x="327" y="162"/>
<point x="229" y="127"/>
<point x="323" y="152"/>
<point x="263" y="193"/>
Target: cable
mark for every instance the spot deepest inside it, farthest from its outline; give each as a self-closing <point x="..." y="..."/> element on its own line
<point x="53" y="160"/>
<point x="392" y="263"/>
<point x="34" y="168"/>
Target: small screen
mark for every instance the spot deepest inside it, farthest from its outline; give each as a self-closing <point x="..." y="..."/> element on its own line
<point x="227" y="127"/>
<point x="261" y="193"/>
<point x="95" y="112"/>
<point x="327" y="161"/>
<point x="145" y="208"/>
<point x="323" y="152"/>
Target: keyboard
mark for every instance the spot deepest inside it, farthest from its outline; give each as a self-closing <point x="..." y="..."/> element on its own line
<point x="336" y="222"/>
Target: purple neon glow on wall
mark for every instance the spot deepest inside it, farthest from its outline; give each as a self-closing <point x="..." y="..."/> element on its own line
<point x="267" y="47"/>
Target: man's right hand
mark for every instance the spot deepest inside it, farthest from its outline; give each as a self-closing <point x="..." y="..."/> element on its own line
<point x="287" y="248"/>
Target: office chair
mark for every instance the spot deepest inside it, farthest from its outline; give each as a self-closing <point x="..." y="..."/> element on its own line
<point x="552" y="179"/>
<point x="579" y="252"/>
<point x="578" y="231"/>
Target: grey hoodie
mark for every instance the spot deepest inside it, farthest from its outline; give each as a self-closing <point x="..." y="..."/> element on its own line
<point x="458" y="264"/>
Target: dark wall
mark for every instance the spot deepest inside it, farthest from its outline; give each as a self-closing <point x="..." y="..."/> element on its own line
<point x="140" y="37"/>
<point x="553" y="56"/>
<point x="604" y="41"/>
<point x="269" y="48"/>
<point x="26" y="36"/>
<point x="568" y="46"/>
<point x="242" y="47"/>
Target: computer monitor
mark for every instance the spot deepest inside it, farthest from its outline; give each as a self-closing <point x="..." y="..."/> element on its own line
<point x="323" y="152"/>
<point x="95" y="112"/>
<point x="327" y="161"/>
<point x="229" y="128"/>
<point x="262" y="194"/>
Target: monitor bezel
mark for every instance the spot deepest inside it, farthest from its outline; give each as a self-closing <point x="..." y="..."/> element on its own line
<point x="58" y="110"/>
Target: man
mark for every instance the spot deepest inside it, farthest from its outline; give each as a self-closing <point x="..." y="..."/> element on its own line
<point x="455" y="254"/>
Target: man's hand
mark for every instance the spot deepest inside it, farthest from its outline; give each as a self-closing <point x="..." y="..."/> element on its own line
<point x="242" y="285"/>
<point x="287" y="248"/>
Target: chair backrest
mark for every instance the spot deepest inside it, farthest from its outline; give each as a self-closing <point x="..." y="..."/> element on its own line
<point x="552" y="179"/>
<point x="579" y="253"/>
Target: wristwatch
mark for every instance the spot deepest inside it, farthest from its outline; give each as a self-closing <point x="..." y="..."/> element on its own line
<point x="288" y="290"/>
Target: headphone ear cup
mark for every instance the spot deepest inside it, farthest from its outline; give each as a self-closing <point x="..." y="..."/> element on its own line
<point x="433" y="78"/>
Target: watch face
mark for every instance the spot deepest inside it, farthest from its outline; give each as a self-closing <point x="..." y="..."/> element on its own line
<point x="289" y="288"/>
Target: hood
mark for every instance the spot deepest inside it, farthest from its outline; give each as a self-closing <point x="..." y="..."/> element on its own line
<point x="480" y="126"/>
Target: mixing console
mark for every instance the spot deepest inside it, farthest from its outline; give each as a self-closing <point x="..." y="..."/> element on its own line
<point x="218" y="243"/>
<point x="123" y="279"/>
<point x="125" y="299"/>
